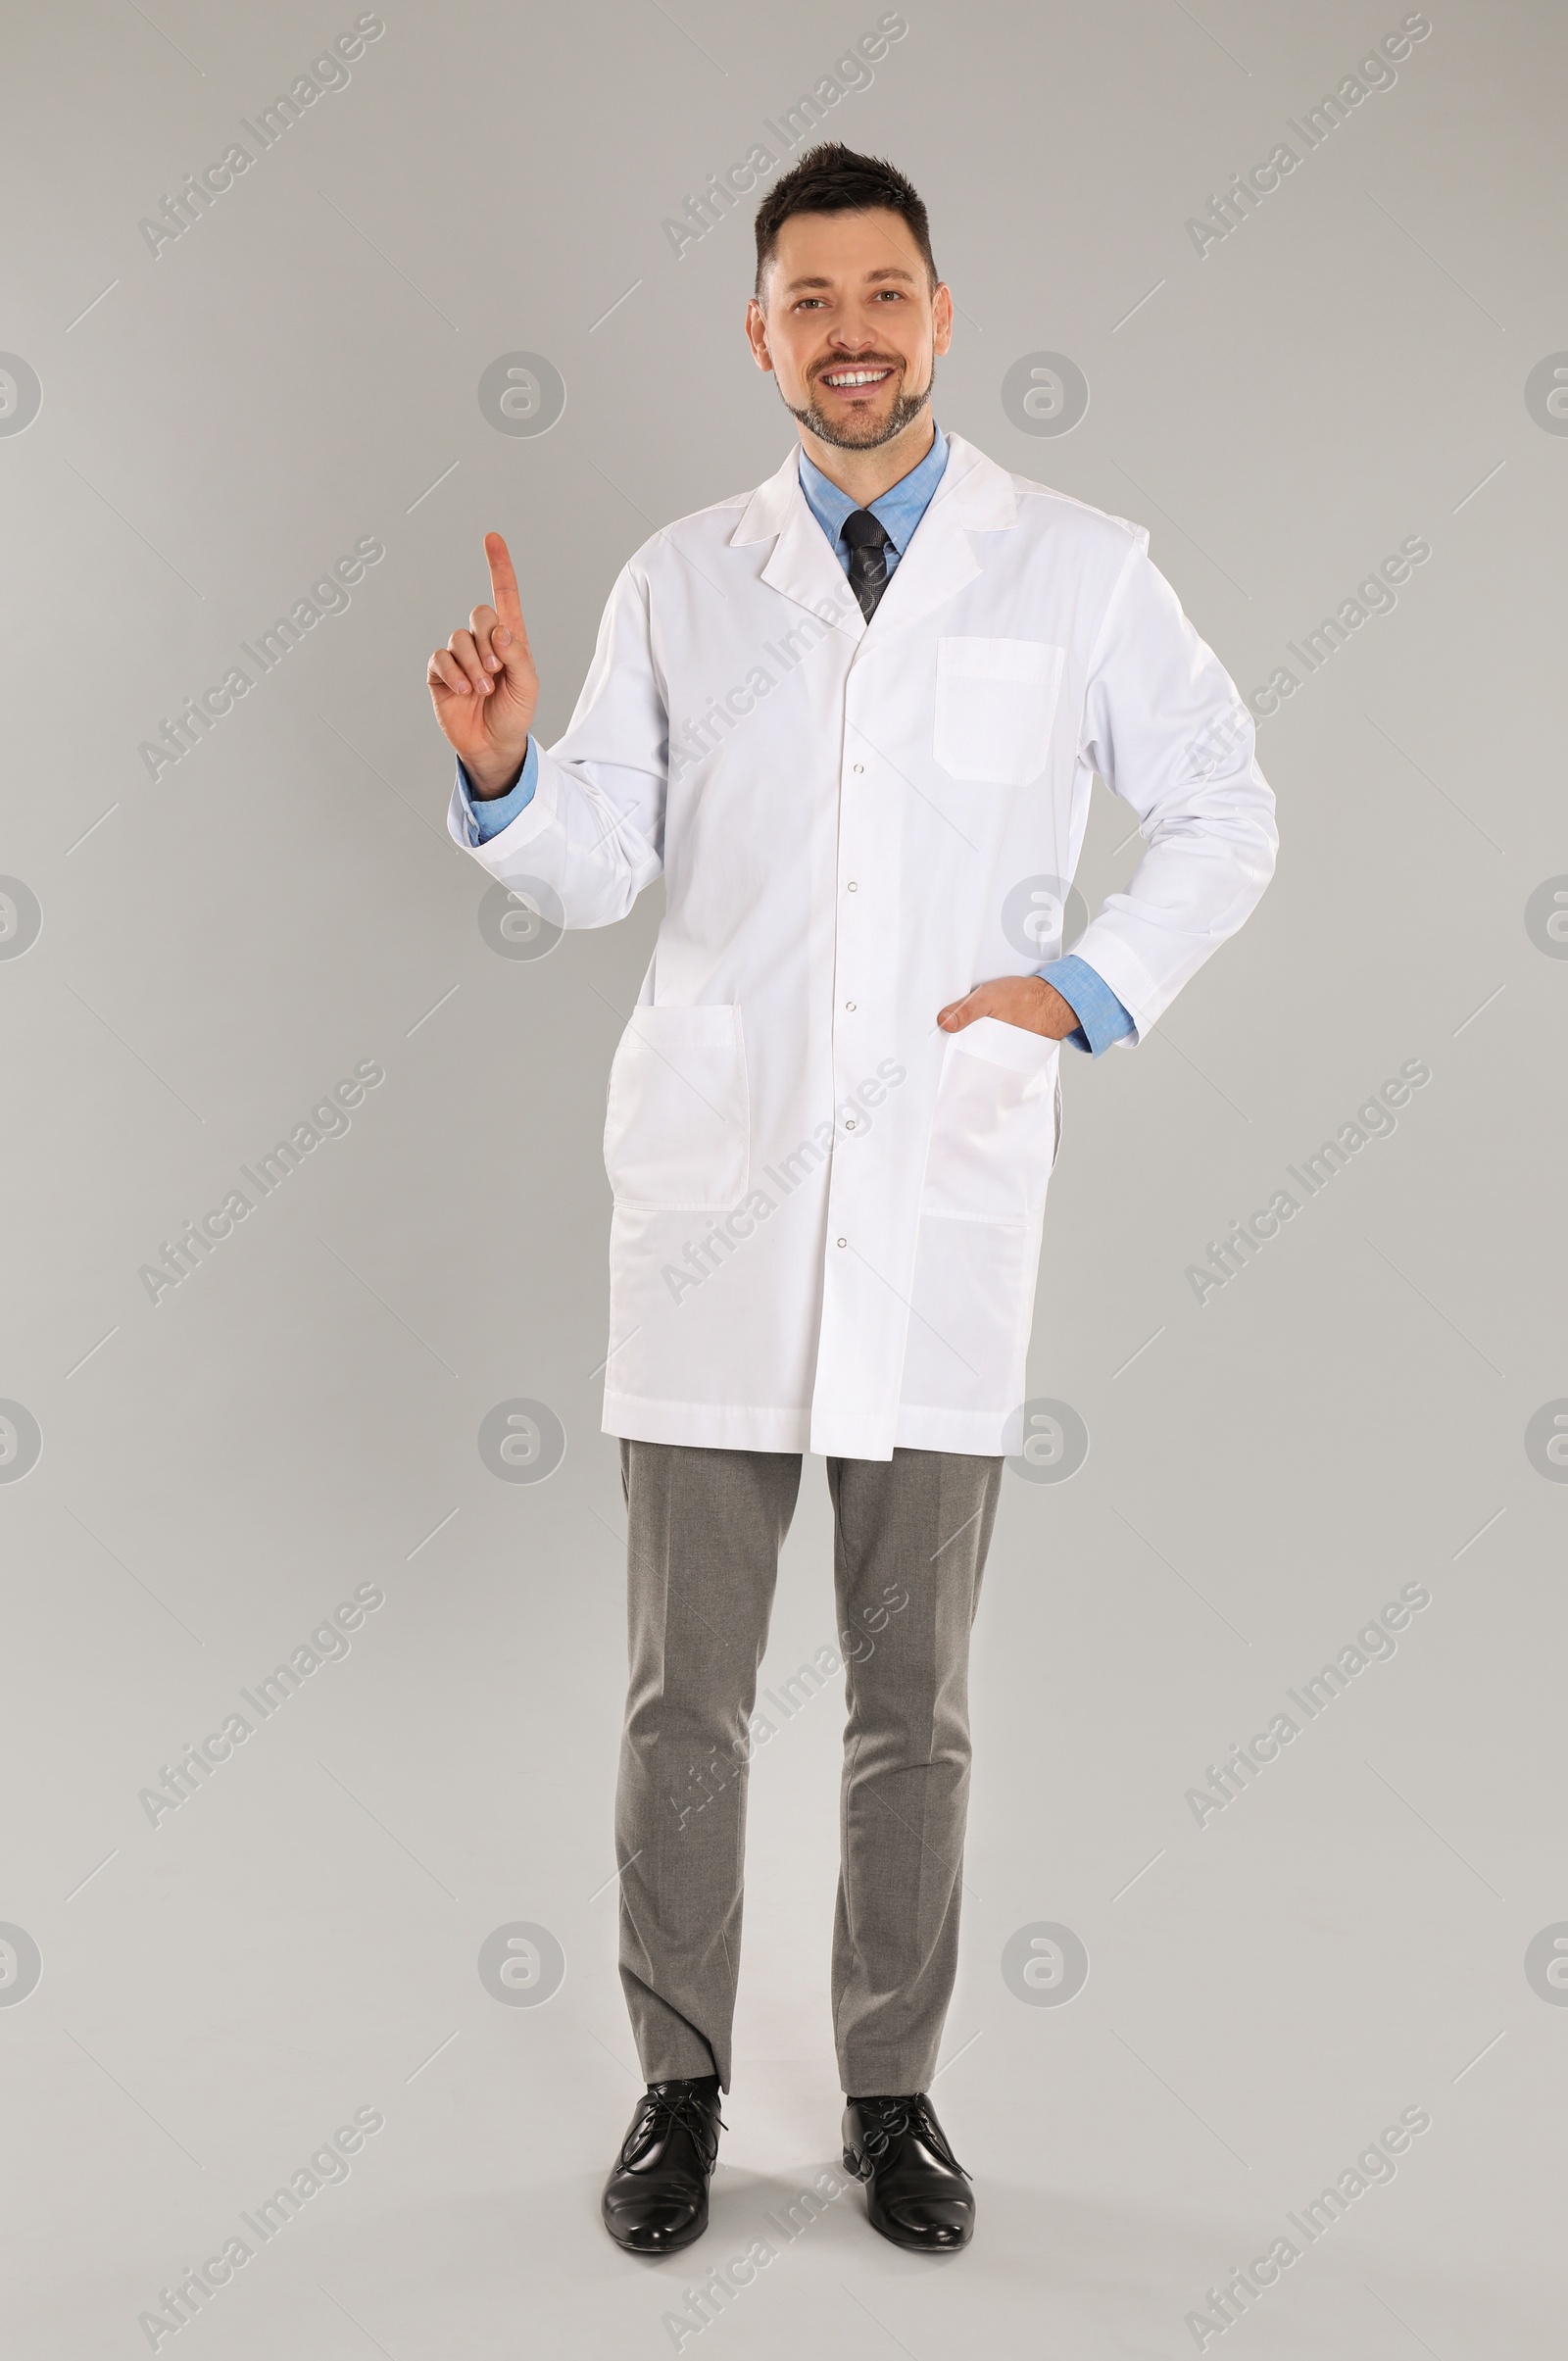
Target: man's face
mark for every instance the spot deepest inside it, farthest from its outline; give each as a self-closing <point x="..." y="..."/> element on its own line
<point x="850" y="325"/>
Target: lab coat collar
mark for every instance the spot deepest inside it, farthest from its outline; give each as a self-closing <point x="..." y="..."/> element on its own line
<point x="974" y="496"/>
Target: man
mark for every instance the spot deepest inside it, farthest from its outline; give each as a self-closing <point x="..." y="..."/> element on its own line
<point x="852" y="717"/>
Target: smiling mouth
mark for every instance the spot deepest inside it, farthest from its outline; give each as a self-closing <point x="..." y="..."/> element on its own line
<point x="863" y="380"/>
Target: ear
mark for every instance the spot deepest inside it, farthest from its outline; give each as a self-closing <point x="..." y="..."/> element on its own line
<point x="757" y="333"/>
<point x="940" y="319"/>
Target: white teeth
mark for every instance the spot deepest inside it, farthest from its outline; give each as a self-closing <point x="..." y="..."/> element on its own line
<point x="857" y="376"/>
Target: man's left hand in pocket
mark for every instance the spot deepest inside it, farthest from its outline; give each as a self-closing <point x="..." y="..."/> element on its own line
<point x="1026" y="1001"/>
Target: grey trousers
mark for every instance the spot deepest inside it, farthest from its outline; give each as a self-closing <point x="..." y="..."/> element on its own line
<point x="705" y="1529"/>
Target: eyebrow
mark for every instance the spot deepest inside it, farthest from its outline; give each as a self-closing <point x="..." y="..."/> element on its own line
<point x="890" y="271"/>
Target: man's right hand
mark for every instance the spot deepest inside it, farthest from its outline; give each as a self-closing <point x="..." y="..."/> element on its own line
<point x="483" y="684"/>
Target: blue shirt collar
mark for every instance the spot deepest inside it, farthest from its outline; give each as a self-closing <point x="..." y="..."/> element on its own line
<point x="898" y="511"/>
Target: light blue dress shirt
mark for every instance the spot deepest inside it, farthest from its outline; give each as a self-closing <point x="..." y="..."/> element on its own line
<point x="1101" y="1017"/>
<point x="898" y="511"/>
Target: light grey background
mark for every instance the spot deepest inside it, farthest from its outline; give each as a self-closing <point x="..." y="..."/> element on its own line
<point x="302" y="1414"/>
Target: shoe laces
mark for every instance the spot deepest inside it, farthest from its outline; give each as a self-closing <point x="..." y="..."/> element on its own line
<point x="888" y="2119"/>
<point x="663" y="2111"/>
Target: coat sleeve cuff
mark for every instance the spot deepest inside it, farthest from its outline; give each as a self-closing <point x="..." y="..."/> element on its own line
<point x="1101" y="1017"/>
<point x="487" y="816"/>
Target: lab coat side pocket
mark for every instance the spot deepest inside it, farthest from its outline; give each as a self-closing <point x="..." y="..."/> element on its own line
<point x="996" y="1126"/>
<point x="677" y="1126"/>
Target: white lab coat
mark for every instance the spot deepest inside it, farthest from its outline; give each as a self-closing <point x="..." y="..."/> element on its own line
<point x="828" y="1212"/>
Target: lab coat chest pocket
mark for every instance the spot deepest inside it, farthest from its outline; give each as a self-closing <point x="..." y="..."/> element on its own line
<point x="995" y="702"/>
<point x="997" y="1124"/>
<point x="677" y="1129"/>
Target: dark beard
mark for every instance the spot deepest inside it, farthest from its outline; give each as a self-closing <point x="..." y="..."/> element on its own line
<point x="906" y="409"/>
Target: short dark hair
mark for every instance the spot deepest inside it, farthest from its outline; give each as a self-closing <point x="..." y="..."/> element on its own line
<point x="833" y="178"/>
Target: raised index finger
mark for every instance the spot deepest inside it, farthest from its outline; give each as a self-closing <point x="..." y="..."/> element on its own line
<point x="503" y="582"/>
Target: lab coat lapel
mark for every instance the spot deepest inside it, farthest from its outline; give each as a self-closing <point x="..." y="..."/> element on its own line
<point x="973" y="495"/>
<point x="801" y="566"/>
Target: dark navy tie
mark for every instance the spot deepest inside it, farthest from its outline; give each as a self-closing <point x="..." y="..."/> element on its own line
<point x="869" y="542"/>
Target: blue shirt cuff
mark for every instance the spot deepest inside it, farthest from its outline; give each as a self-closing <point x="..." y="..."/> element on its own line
<point x="486" y="815"/>
<point x="1102" y="1018"/>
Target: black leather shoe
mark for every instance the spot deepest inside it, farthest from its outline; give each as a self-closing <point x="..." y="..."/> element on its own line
<point x="656" y="2199"/>
<point x="917" y="2192"/>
